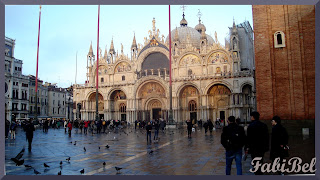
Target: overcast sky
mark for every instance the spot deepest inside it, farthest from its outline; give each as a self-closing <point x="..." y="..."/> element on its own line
<point x="66" y="30"/>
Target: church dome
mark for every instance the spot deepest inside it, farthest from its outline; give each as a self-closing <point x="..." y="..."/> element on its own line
<point x="199" y="27"/>
<point x="210" y="40"/>
<point x="183" y="33"/>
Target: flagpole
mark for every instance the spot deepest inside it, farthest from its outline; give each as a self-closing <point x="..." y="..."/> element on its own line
<point x="75" y="80"/>
<point x="170" y="83"/>
<point x="97" y="68"/>
<point x="36" y="89"/>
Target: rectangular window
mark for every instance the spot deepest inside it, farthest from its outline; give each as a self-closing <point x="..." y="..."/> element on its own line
<point x="52" y="110"/>
<point x="63" y="103"/>
<point x="53" y="94"/>
<point x="30" y="109"/>
<point x="53" y="102"/>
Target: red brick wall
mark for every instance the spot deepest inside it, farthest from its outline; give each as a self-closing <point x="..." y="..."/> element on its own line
<point x="285" y="77"/>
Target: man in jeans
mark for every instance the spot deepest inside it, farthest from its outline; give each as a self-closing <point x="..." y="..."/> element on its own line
<point x="233" y="139"/>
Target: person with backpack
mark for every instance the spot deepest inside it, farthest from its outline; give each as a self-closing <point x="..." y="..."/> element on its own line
<point x="257" y="143"/>
<point x="233" y="139"/>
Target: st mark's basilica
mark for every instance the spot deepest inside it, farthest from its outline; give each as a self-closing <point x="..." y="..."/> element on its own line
<point x="209" y="80"/>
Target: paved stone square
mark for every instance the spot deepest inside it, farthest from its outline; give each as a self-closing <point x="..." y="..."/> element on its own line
<point x="174" y="154"/>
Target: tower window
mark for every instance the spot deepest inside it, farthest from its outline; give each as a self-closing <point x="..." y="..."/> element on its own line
<point x="279" y="39"/>
<point x="123" y="78"/>
<point x="102" y="80"/>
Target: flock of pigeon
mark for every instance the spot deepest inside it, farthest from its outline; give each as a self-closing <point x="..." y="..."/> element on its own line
<point x="21" y="162"/>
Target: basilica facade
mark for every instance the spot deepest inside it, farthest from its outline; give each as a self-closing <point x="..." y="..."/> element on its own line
<point x="209" y="80"/>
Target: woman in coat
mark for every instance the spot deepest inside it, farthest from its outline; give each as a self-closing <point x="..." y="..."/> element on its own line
<point x="279" y="140"/>
<point x="29" y="128"/>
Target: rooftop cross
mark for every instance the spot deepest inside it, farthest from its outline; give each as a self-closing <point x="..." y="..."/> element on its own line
<point x="199" y="15"/>
<point x="183" y="7"/>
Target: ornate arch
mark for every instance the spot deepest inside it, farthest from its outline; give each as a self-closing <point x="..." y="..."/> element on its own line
<point x="185" y="55"/>
<point x="122" y="62"/>
<point x="228" y="55"/>
<point x="228" y="85"/>
<point x="149" y="100"/>
<point x="148" y="79"/>
<point x="180" y="88"/>
<point x="93" y="91"/>
<point x="115" y="89"/>
<point x="149" y="51"/>
<point x="245" y="83"/>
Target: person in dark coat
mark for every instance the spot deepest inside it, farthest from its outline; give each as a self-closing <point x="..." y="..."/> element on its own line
<point x="7" y="127"/>
<point x="189" y="127"/>
<point x="149" y="128"/>
<point x="156" y="125"/>
<point x="205" y="125"/>
<point x="257" y="139"/>
<point x="29" y="128"/>
<point x="210" y="125"/>
<point x="13" y="128"/>
<point x="233" y="139"/>
<point x="135" y="124"/>
<point x="279" y="139"/>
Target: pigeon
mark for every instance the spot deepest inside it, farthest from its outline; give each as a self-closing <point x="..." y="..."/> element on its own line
<point x="104" y="163"/>
<point x="75" y="143"/>
<point x="82" y="171"/>
<point x="151" y="152"/>
<point x="19" y="156"/>
<point x="71" y="142"/>
<point x="45" y="165"/>
<point x="19" y="163"/>
<point x="118" y="169"/>
<point x="27" y="166"/>
<point x="59" y="173"/>
<point x="68" y="159"/>
<point x="36" y="172"/>
<point x="60" y="163"/>
<point x="84" y="148"/>
<point x="99" y="147"/>
<point x="107" y="146"/>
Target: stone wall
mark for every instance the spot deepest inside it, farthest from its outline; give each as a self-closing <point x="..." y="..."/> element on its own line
<point x="285" y="77"/>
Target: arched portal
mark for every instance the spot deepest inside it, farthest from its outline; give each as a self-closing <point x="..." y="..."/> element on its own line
<point x="118" y="105"/>
<point x="218" y="99"/>
<point x="92" y="105"/>
<point x="188" y="103"/>
<point x="150" y="100"/>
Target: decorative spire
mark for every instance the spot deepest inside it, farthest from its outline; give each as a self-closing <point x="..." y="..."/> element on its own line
<point x="176" y="36"/>
<point x="234" y="28"/>
<point x="105" y="52"/>
<point x="203" y="34"/>
<point x="183" y="22"/>
<point x="199" y="16"/>
<point x="111" y="50"/>
<point x="134" y="43"/>
<point x="90" y="50"/>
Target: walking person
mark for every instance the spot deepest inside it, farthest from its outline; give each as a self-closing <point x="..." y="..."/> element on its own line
<point x="257" y="139"/>
<point x="81" y="126"/>
<point x="189" y="127"/>
<point x="86" y="125"/>
<point x="7" y="128"/>
<point x="156" y="127"/>
<point x="65" y="125"/>
<point x="205" y="125"/>
<point x="13" y="127"/>
<point x="69" y="128"/>
<point x="162" y="124"/>
<point x="233" y="140"/>
<point x="210" y="125"/>
<point x="149" y="128"/>
<point x="29" y="128"/>
<point x="279" y="140"/>
<point x="135" y="124"/>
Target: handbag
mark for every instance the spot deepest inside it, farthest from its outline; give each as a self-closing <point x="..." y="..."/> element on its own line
<point x="285" y="151"/>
